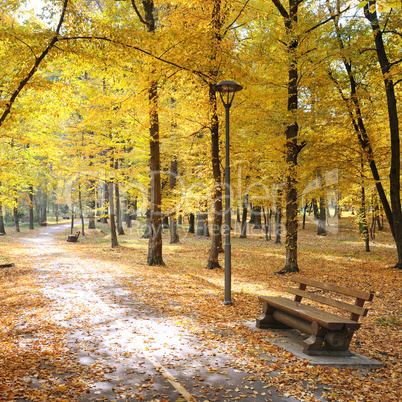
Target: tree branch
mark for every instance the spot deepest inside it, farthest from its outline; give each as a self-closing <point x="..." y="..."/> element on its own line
<point x="35" y="67"/>
<point x="237" y="17"/>
<point x="138" y="13"/>
<point x="200" y="74"/>
<point x="281" y="9"/>
<point x="332" y="17"/>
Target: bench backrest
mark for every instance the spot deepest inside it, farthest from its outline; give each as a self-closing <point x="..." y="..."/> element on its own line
<point x="356" y="309"/>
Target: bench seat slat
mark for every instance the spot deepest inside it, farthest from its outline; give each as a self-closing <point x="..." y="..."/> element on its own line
<point x="334" y="288"/>
<point x="309" y="313"/>
<point x="361" y="311"/>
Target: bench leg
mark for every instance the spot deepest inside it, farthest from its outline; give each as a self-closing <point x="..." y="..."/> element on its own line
<point x="267" y="320"/>
<point x="328" y="343"/>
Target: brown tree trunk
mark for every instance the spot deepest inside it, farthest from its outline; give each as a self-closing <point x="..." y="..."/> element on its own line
<point x="113" y="231"/>
<point x="16" y="219"/>
<point x="174" y="233"/>
<point x="216" y="244"/>
<point x="81" y="210"/>
<point x="155" y="236"/>
<point x="291" y="132"/>
<point x="243" y="234"/>
<point x="2" y="229"/>
<point x="31" y="208"/>
<point x="394" y="175"/>
<point x="191" y="223"/>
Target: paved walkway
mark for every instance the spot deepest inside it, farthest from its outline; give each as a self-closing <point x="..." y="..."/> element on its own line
<point x="142" y="354"/>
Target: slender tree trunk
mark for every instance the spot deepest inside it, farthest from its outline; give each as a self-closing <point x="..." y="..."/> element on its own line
<point x="56" y="213"/>
<point x="120" y="230"/>
<point x="304" y="215"/>
<point x="105" y="199"/>
<point x="191" y="223"/>
<point x="155" y="238"/>
<point x="395" y="171"/>
<point x="291" y="132"/>
<point x="81" y="210"/>
<point x="31" y="208"/>
<point x="322" y="221"/>
<point x="113" y="231"/>
<point x="363" y="225"/>
<point x="2" y="229"/>
<point x="216" y="240"/>
<point x="243" y="234"/>
<point x="16" y="219"/>
<point x="278" y="216"/>
<point x="174" y="233"/>
<point x="91" y="204"/>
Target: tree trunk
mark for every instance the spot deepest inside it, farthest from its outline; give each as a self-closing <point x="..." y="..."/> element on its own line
<point x="106" y="197"/>
<point x="155" y="237"/>
<point x="113" y="231"/>
<point x="291" y="132"/>
<point x="243" y="234"/>
<point x="278" y="216"/>
<point x="119" y="222"/>
<point x="363" y="225"/>
<point x="81" y="211"/>
<point x="91" y="204"/>
<point x="304" y="215"/>
<point x="191" y="223"/>
<point x="256" y="211"/>
<point x="31" y="209"/>
<point x="216" y="240"/>
<point x="2" y="229"/>
<point x="147" y="231"/>
<point x="174" y="233"/>
<point x="16" y="219"/>
<point x="56" y="212"/>
<point x="394" y="175"/>
<point x="322" y="221"/>
<point x="202" y="225"/>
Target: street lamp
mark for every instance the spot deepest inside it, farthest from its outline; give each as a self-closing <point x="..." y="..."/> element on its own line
<point x="227" y="90"/>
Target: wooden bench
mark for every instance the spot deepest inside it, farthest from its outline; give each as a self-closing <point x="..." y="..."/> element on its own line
<point x="74" y="238"/>
<point x="330" y="334"/>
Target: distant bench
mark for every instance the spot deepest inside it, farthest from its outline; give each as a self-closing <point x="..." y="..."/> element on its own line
<point x="74" y="237"/>
<point x="330" y="334"/>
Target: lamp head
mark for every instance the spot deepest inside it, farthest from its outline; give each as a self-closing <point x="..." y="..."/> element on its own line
<point x="227" y="87"/>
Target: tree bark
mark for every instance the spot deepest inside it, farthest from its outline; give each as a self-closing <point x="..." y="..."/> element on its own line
<point x="113" y="231"/>
<point x="155" y="237"/>
<point x="243" y="234"/>
<point x="191" y="223"/>
<point x="16" y="219"/>
<point x="81" y="210"/>
<point x="174" y="233"/>
<point x="216" y="240"/>
<point x="395" y="170"/>
<point x="2" y="229"/>
<point x="292" y="147"/>
<point x="202" y="225"/>
<point x="31" y="208"/>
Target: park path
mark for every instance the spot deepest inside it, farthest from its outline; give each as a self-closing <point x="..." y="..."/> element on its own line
<point x="141" y="353"/>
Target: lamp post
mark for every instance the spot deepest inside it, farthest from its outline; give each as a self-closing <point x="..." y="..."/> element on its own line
<point x="227" y="90"/>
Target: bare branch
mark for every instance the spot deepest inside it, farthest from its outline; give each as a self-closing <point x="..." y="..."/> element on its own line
<point x="332" y="17"/>
<point x="281" y="9"/>
<point x="237" y="17"/>
<point x="200" y="74"/>
<point x="138" y="13"/>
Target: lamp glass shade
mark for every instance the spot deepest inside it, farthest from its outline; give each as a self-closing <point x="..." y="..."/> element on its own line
<point x="227" y="87"/>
